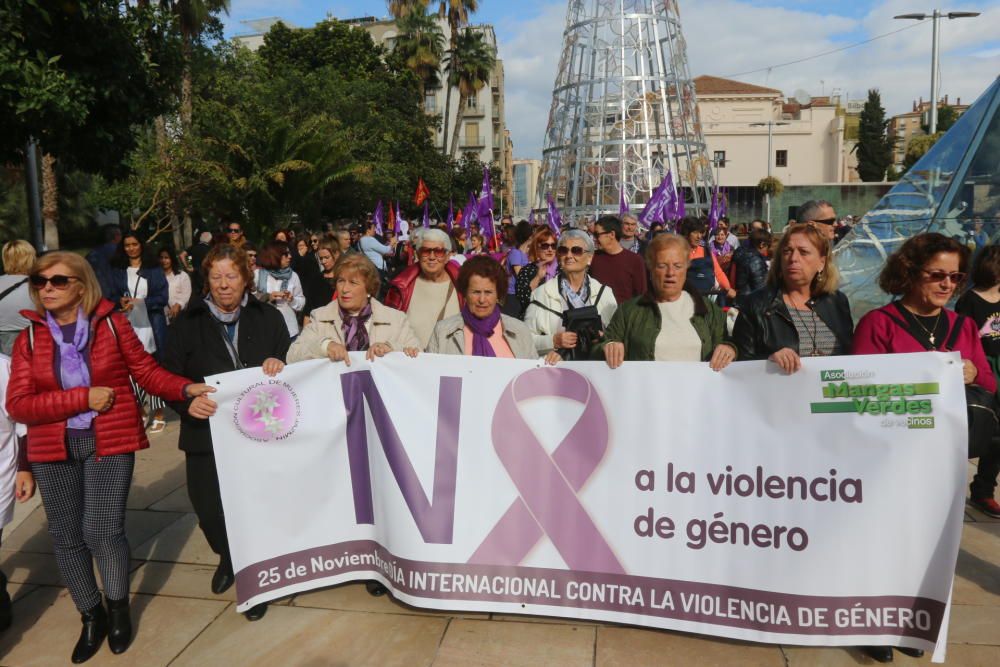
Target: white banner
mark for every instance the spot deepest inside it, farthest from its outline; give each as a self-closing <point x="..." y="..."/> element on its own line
<point x="822" y="508"/>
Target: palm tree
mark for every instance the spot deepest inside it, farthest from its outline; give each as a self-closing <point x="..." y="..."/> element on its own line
<point x="192" y="16"/>
<point x="471" y="65"/>
<point x="457" y="13"/>
<point x="421" y="46"/>
<point x="403" y="8"/>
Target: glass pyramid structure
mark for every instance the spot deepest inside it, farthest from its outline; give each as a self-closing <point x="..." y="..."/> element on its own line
<point x="954" y="189"/>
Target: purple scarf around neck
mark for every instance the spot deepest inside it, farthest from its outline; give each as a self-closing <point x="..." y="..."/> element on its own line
<point x="481" y="329"/>
<point x="355" y="333"/>
<point x="73" y="371"/>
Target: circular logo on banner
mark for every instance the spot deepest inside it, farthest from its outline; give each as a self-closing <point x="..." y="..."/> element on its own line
<point x="267" y="411"/>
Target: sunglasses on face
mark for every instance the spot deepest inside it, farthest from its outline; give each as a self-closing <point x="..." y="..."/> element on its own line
<point x="436" y="252"/>
<point x="546" y="246"/>
<point x="827" y="221"/>
<point x="940" y="276"/>
<point x="287" y="253"/>
<point x="234" y="230"/>
<point x="58" y="281"/>
<point x="576" y="250"/>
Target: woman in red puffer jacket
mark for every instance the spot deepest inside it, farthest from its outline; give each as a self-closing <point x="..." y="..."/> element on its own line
<point x="70" y="385"/>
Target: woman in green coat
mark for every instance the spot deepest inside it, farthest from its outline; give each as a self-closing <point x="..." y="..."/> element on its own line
<point x="669" y="322"/>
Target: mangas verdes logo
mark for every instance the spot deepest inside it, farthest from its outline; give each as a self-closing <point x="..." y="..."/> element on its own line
<point x="267" y="411"/>
<point x="852" y="392"/>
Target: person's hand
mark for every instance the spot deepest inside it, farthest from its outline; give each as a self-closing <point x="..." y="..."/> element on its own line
<point x="722" y="357"/>
<point x="127" y="303"/>
<point x="731" y="293"/>
<point x="411" y="352"/>
<point x="552" y="358"/>
<point x="286" y="295"/>
<point x="272" y="366"/>
<point x="969" y="371"/>
<point x="378" y="350"/>
<point x="202" y="407"/>
<point x="787" y="359"/>
<point x="100" y="398"/>
<point x="196" y="389"/>
<point x="338" y="352"/>
<point x="275" y="296"/>
<point x="614" y="354"/>
<point x="24" y="486"/>
<point x="564" y="340"/>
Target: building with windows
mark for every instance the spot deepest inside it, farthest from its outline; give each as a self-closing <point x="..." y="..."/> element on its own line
<point x="807" y="140"/>
<point x="904" y="127"/>
<point x="525" y="182"/>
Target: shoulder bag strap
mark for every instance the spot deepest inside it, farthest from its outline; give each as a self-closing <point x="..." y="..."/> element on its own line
<point x="12" y="288"/>
<point x="955" y="331"/>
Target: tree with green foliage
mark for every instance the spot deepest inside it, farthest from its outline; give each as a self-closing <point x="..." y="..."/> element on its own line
<point x="472" y="63"/>
<point x="917" y="147"/>
<point x="874" y="147"/>
<point x="457" y="13"/>
<point x="946" y="118"/>
<point x="420" y="45"/>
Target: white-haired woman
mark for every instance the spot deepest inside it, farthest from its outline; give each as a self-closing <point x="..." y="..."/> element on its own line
<point x="568" y="313"/>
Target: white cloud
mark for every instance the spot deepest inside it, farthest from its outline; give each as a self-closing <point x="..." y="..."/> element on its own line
<point x="730" y="36"/>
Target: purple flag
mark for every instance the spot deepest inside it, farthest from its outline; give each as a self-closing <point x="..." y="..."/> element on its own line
<point x="713" y="211"/>
<point x="397" y="228"/>
<point x="377" y="218"/>
<point x="655" y="208"/>
<point x="427" y="217"/>
<point x="724" y="203"/>
<point x="674" y="199"/>
<point x="487" y="191"/>
<point x="485" y="217"/>
<point x="555" y="220"/>
<point x="470" y="213"/>
<point x="622" y="204"/>
<point x="679" y="210"/>
<point x="450" y="222"/>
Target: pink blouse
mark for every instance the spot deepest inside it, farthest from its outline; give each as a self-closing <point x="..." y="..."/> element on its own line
<point x="500" y="346"/>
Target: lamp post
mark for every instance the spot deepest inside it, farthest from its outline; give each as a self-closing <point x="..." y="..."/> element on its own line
<point x="935" y="16"/>
<point x="770" y="135"/>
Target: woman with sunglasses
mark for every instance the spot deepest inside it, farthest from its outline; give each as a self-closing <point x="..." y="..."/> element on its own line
<point x="70" y="384"/>
<point x="572" y="288"/>
<point x="924" y="273"/>
<point x="278" y="284"/>
<point x="542" y="266"/>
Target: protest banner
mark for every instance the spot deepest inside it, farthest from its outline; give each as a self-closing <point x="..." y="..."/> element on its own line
<point x="821" y="508"/>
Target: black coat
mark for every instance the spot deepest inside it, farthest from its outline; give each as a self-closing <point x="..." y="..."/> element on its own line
<point x="195" y="349"/>
<point x="764" y="325"/>
<point x="751" y="271"/>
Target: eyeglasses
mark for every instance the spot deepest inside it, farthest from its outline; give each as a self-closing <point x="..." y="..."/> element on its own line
<point x="546" y="246"/>
<point x="58" y="281"/>
<point x="314" y="241"/>
<point x="956" y="277"/>
<point x="827" y="221"/>
<point x="287" y="253"/>
<point x="576" y="250"/>
<point x="436" y="252"/>
<point x="234" y="230"/>
<point x="600" y="234"/>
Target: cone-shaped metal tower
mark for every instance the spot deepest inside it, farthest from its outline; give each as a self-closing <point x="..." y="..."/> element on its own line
<point x="623" y="110"/>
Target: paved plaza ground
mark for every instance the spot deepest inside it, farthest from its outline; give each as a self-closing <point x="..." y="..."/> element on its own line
<point x="180" y="622"/>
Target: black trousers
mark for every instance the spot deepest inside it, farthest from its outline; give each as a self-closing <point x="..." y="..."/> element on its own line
<point x="203" y="490"/>
<point x="985" y="480"/>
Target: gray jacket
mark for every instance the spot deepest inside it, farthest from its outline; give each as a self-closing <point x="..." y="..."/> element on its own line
<point x="449" y="337"/>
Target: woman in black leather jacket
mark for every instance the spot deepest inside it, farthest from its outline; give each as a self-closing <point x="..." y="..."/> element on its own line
<point x="800" y="312"/>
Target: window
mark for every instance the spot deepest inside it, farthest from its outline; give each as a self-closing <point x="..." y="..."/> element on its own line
<point x="472" y="102"/>
<point x="780" y="158"/>
<point x="472" y="134"/>
<point x="719" y="159"/>
<point x="430" y="103"/>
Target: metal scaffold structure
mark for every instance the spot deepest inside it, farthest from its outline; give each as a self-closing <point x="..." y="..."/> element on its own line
<point x="624" y="111"/>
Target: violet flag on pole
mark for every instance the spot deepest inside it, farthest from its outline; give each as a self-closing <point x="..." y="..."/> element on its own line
<point x="713" y="211"/>
<point x="402" y="226"/>
<point x="724" y="203"/>
<point x="450" y="222"/>
<point x="469" y="213"/>
<point x="654" y="209"/>
<point x="427" y="216"/>
<point x="377" y="218"/>
<point x="487" y="191"/>
<point x="622" y="204"/>
<point x="484" y="214"/>
<point x="555" y="219"/>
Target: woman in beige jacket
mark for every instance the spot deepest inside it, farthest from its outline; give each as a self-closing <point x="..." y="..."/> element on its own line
<point x="481" y="330"/>
<point x="354" y="321"/>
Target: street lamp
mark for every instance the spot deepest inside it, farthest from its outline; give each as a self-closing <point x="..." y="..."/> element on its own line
<point x="770" y="132"/>
<point x="935" y="16"/>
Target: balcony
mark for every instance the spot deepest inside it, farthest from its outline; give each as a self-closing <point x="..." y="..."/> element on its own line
<point x="473" y="141"/>
<point x="475" y="111"/>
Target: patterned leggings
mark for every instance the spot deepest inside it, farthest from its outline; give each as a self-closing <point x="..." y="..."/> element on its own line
<point x="84" y="499"/>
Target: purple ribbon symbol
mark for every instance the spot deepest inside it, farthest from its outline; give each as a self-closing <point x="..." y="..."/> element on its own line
<point x="547" y="484"/>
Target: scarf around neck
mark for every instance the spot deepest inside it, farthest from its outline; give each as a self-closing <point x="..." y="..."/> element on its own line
<point x="284" y="275"/>
<point x="575" y="299"/>
<point x="225" y="318"/>
<point x="353" y="328"/>
<point x="73" y="370"/>
<point x="481" y="329"/>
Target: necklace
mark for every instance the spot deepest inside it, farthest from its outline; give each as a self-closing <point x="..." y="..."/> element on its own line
<point x="930" y="333"/>
<point x="805" y="327"/>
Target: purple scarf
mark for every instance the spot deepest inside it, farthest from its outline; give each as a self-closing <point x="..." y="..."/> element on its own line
<point x="73" y="371"/>
<point x="355" y="334"/>
<point x="481" y="329"/>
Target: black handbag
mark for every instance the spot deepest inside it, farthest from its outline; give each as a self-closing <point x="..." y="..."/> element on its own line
<point x="586" y="323"/>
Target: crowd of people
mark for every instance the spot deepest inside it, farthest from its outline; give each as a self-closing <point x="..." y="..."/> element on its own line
<point x="98" y="347"/>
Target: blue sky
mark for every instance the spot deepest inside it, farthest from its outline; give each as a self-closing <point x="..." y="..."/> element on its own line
<point x="725" y="37"/>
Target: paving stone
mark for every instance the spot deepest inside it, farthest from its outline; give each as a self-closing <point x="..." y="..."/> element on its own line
<point x="182" y="580"/>
<point x="33" y="533"/>
<point x="974" y="625"/>
<point x="354" y="597"/>
<point x="176" y="501"/>
<point x="180" y="542"/>
<point x="506" y="644"/>
<point x="297" y="635"/>
<point x="163" y="627"/>
<point x="841" y="656"/>
<point x="40" y="569"/>
<point x="629" y="646"/>
<point x="967" y="655"/>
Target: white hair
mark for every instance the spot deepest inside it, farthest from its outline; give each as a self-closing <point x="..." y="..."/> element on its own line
<point x="205" y="237"/>
<point x="578" y="235"/>
<point x="431" y="235"/>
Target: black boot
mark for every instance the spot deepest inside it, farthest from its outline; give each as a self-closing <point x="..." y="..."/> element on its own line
<point x="256" y="612"/>
<point x="6" y="607"/>
<point x="223" y="577"/>
<point x="878" y="653"/>
<point x="120" y="622"/>
<point x="95" y="629"/>
<point x="375" y="588"/>
<point x="912" y="652"/>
